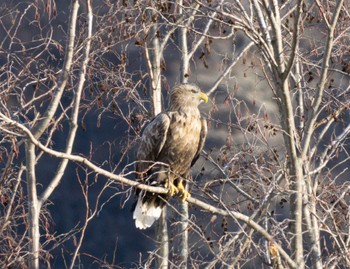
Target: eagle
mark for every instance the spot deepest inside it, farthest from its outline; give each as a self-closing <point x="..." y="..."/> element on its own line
<point x="170" y="145"/>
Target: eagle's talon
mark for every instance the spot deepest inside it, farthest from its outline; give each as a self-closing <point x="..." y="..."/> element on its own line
<point x="185" y="194"/>
<point x="172" y="189"/>
<point x="182" y="191"/>
<point x="181" y="187"/>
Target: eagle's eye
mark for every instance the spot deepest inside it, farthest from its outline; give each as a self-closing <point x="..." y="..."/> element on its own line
<point x="194" y="91"/>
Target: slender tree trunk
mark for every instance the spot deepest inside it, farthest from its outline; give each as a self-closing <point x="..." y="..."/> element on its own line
<point x="312" y="221"/>
<point x="154" y="54"/>
<point x="281" y="75"/>
<point x="184" y="74"/>
<point x="33" y="207"/>
<point x="155" y="59"/>
<point x="163" y="242"/>
<point x="295" y="172"/>
<point x="309" y="206"/>
<point x="313" y="232"/>
<point x="297" y="212"/>
<point x="184" y="233"/>
<point x="184" y="67"/>
<point x="34" y="203"/>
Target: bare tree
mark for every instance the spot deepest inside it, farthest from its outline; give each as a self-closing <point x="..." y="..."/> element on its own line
<point x="274" y="189"/>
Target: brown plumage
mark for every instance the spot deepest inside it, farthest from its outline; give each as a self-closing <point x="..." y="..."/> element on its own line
<point x="170" y="145"/>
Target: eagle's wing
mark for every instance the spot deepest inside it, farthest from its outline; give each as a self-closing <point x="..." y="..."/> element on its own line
<point x="203" y="135"/>
<point x="152" y="141"/>
<point x="149" y="206"/>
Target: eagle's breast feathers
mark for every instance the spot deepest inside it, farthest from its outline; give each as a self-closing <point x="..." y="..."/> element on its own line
<point x="181" y="143"/>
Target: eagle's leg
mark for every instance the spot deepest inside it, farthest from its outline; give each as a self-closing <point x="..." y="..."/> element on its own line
<point x="183" y="193"/>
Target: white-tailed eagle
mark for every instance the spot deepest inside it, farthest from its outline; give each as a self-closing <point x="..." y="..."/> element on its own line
<point x="170" y="145"/>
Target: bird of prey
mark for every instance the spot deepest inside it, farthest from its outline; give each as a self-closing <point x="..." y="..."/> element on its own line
<point x="170" y="145"/>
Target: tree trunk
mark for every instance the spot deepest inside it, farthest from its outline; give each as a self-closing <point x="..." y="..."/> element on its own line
<point x="163" y="242"/>
<point x="155" y="55"/>
<point x="184" y="74"/>
<point x="295" y="172"/>
<point x="33" y="208"/>
<point x="33" y="203"/>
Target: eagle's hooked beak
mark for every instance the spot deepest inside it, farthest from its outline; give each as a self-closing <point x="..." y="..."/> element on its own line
<point x="203" y="97"/>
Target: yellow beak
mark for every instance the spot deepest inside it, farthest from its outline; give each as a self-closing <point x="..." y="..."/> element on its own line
<point x="203" y="97"/>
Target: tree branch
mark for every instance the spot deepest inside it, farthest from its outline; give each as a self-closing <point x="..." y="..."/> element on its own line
<point x="40" y="128"/>
<point x="312" y="115"/>
<point x="75" y="111"/>
<point x="248" y="221"/>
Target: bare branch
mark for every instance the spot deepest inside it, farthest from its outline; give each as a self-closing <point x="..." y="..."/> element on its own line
<point x="40" y="128"/>
<point x="312" y="115"/>
<point x="75" y="111"/>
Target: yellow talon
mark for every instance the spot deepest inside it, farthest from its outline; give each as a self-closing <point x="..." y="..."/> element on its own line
<point x="172" y="189"/>
<point x="183" y="193"/>
<point x="181" y="187"/>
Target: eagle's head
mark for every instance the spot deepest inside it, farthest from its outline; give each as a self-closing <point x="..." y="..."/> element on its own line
<point x="186" y="96"/>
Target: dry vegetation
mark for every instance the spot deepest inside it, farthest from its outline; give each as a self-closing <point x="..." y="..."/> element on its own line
<point x="78" y="84"/>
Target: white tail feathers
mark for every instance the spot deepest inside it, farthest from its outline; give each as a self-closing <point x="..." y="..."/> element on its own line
<point x="146" y="213"/>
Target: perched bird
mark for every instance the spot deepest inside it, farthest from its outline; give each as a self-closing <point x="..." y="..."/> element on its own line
<point x="170" y="145"/>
